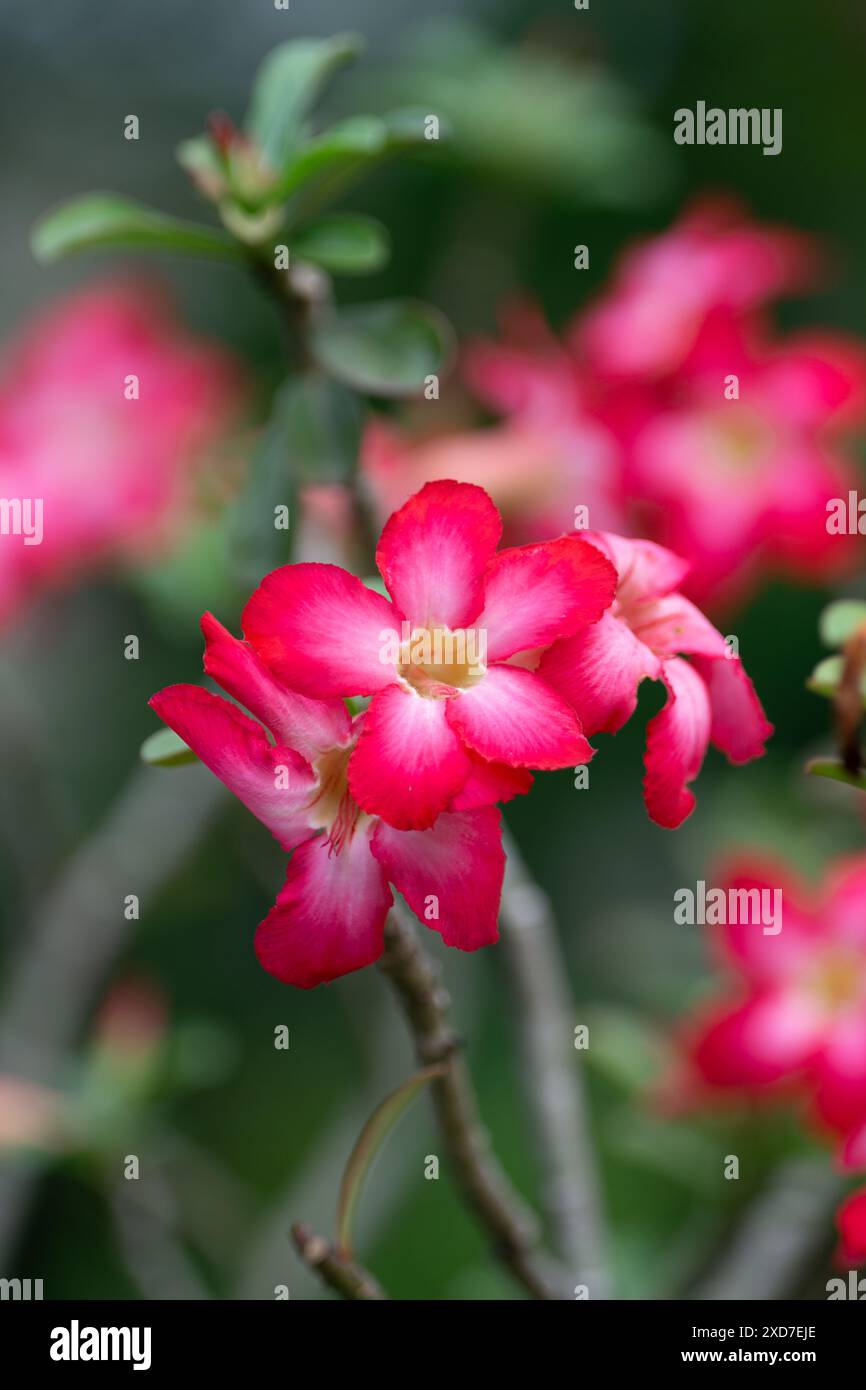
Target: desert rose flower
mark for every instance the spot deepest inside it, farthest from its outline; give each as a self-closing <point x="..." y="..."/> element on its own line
<point x="329" y="917"/>
<point x="796" y="1013"/>
<point x="741" y="486"/>
<point x="438" y="659"/>
<point x="712" y="261"/>
<point x="106" y="406"/>
<point x="725" y="442"/>
<point x="648" y="632"/>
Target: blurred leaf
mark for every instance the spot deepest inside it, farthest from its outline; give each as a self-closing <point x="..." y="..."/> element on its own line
<point x="529" y="115"/>
<point x="104" y="219"/>
<point x="350" y="144"/>
<point x="837" y="772"/>
<point x="286" y="86"/>
<point x="370" y="1141"/>
<point x="344" y="243"/>
<point x="166" y="749"/>
<point x="826" y="676"/>
<point x="386" y="349"/>
<point x="625" y="1048"/>
<point x="840" y="620"/>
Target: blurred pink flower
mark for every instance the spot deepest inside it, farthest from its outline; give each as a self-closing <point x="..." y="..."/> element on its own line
<point x="107" y="475"/>
<point x="713" y="261"/>
<point x="721" y="440"/>
<point x="537" y="476"/>
<point x="797" y="1011"/>
<point x="646" y="633"/>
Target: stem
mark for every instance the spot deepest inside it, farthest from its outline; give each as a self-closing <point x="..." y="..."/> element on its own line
<point x="485" y="1187"/>
<point x="345" y="1276"/>
<point x="848" y="704"/>
<point x="553" y="1080"/>
<point x="779" y="1235"/>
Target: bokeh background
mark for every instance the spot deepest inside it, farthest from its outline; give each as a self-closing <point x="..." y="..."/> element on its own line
<point x="242" y="1138"/>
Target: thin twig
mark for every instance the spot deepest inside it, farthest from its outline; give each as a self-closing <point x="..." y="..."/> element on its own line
<point x="345" y="1276"/>
<point x="512" y="1227"/>
<point x="780" y="1233"/>
<point x="554" y="1083"/>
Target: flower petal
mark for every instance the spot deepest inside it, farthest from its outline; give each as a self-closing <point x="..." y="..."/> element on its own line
<point x="321" y="630"/>
<point x="511" y="716"/>
<point x="310" y="726"/>
<point x="598" y="672"/>
<point x="433" y="553"/>
<point x="645" y="570"/>
<point x="770" y="1037"/>
<point x="451" y="875"/>
<point x="237" y="750"/>
<point x="408" y="763"/>
<point x="535" y="594"/>
<point x="672" y="625"/>
<point x="490" y="782"/>
<point x="677" y="741"/>
<point x="739" y="726"/>
<point x="329" y="917"/>
<point x="845" y="906"/>
<point x="771" y="956"/>
<point x="840" y="1074"/>
<point x="851" y="1221"/>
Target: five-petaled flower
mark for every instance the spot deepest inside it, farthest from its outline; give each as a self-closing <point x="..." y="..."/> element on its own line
<point x="438" y="733"/>
<point x="646" y="633"/>
<point x="798" y="1013"/>
<point x="329" y="917"/>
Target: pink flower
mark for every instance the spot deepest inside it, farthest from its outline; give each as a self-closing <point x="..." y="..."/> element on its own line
<point x="104" y="473"/>
<point x="449" y="705"/>
<point x="741" y="486"/>
<point x="722" y="441"/>
<point x="648" y="630"/>
<point x="330" y="914"/>
<point x="851" y="1222"/>
<point x="537" y="476"/>
<point x="714" y="261"/>
<point x="797" y="1013"/>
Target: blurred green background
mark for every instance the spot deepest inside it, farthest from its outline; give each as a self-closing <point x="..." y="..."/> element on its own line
<point x="249" y="1138"/>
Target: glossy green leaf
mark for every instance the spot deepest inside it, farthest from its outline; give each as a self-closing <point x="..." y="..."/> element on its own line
<point x="368" y="1145"/>
<point x="387" y="349"/>
<point x="165" y="749"/>
<point x="840" y="620"/>
<point x="837" y="772"/>
<point x="344" y="244"/>
<point x="106" y="220"/>
<point x="287" y="85"/>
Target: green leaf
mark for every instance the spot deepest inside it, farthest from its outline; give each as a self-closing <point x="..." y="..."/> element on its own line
<point x="387" y="349"/>
<point x="826" y="676"/>
<point x="104" y="219"/>
<point x="286" y="86"/>
<point x="165" y="749"/>
<point x="344" y="244"/>
<point x="369" y="1142"/>
<point x="345" y="148"/>
<point x="840" y="620"/>
<point x="837" y="772"/>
